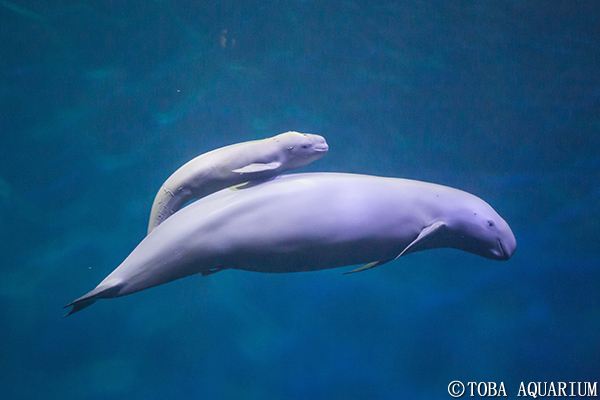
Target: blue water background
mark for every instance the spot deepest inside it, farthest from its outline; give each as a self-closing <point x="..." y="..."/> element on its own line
<point x="100" y="101"/>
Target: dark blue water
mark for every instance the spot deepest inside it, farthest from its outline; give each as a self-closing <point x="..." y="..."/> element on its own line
<point x="101" y="101"/>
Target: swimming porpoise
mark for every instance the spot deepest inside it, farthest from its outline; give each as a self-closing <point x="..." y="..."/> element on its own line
<point x="308" y="222"/>
<point x="231" y="165"/>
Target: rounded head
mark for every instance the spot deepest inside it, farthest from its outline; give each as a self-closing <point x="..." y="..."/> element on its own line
<point x="478" y="229"/>
<point x="301" y="148"/>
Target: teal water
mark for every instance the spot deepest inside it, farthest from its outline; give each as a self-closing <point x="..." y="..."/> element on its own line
<point x="101" y="101"/>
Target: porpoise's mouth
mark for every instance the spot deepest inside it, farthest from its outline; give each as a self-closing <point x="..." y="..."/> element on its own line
<point x="503" y="255"/>
<point x="321" y="147"/>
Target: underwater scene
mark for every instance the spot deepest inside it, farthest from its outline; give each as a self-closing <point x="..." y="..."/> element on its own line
<point x="102" y="101"/>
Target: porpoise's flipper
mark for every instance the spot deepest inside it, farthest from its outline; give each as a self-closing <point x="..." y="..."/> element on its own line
<point x="252" y="183"/>
<point x="427" y="233"/>
<point x="100" y="292"/>
<point x="368" y="266"/>
<point x="211" y="271"/>
<point x="257" y="167"/>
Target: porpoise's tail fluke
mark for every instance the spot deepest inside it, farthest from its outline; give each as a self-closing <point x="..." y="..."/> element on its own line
<point x="102" y="291"/>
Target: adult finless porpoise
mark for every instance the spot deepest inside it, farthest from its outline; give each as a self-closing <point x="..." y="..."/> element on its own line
<point x="231" y="165"/>
<point x="307" y="222"/>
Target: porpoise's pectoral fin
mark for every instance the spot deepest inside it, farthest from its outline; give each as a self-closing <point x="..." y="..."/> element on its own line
<point x="211" y="271"/>
<point x="258" y="167"/>
<point x="368" y="266"/>
<point x="252" y="183"/>
<point x="426" y="234"/>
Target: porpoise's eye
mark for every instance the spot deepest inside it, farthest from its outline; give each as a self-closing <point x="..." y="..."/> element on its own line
<point x="305" y="146"/>
<point x="490" y="223"/>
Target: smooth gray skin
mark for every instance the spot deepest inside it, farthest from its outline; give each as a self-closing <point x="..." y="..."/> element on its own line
<point x="308" y="222"/>
<point x="232" y="165"/>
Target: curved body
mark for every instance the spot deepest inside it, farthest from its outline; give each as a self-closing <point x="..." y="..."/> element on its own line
<point x="305" y="222"/>
<point x="232" y="165"/>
